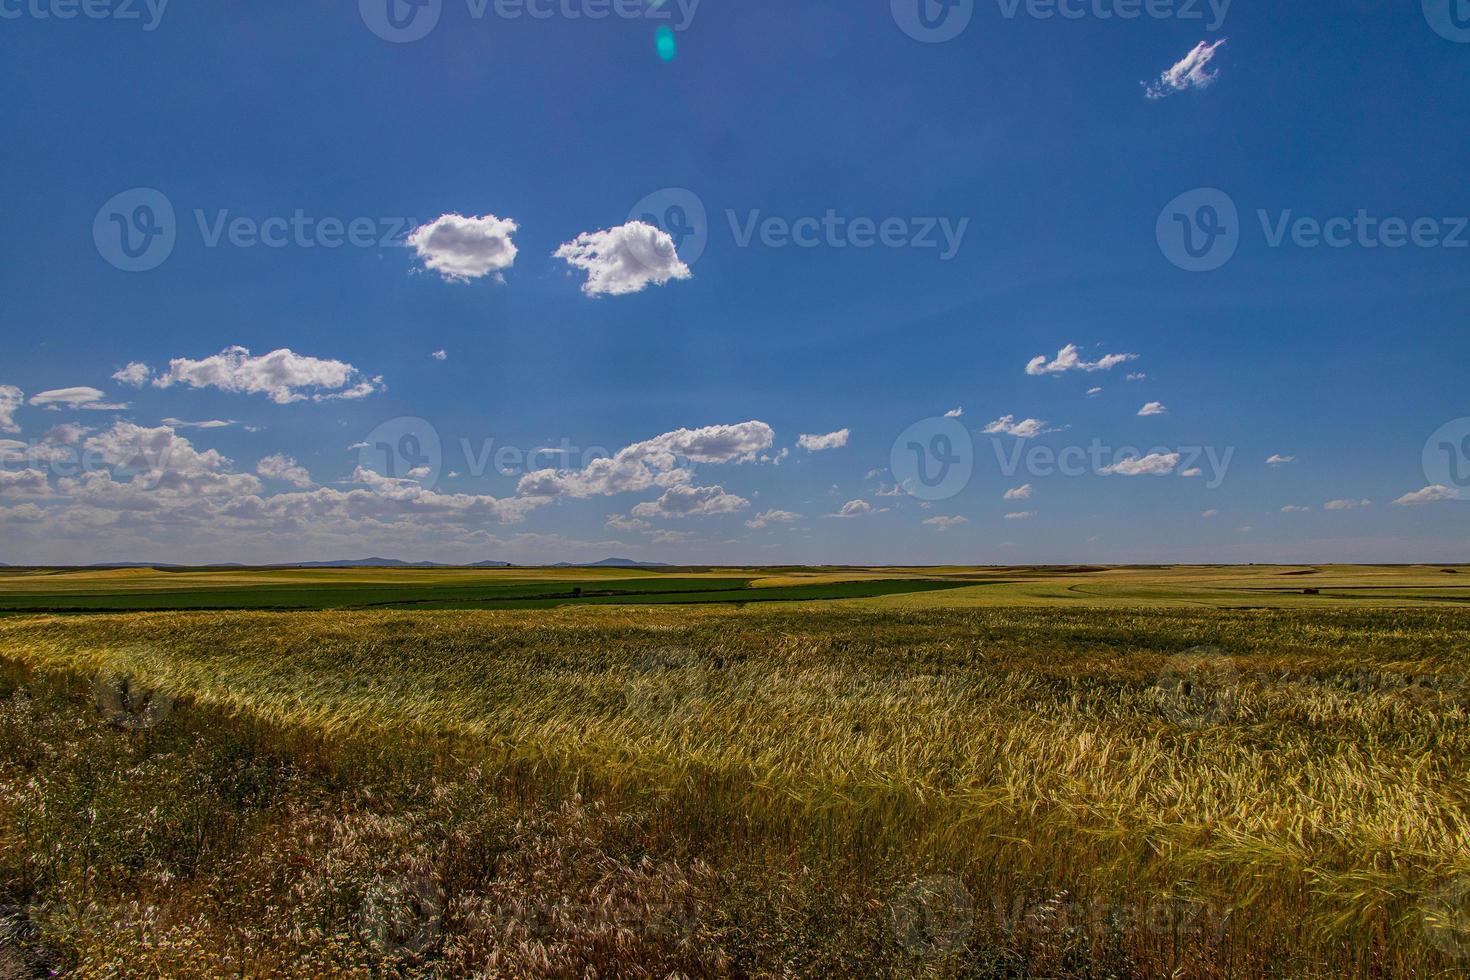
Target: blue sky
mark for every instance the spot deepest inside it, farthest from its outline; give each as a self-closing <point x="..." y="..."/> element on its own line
<point x="964" y="206"/>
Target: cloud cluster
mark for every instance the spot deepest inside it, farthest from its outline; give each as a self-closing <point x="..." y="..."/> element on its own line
<point x="656" y="462"/>
<point x="1429" y="495"/>
<point x="282" y="375"/>
<point x="772" y="517"/>
<point x="625" y="259"/>
<point x="1068" y="359"/>
<point x="11" y="398"/>
<point x="284" y="468"/>
<point x="680" y="502"/>
<point x="461" y="249"/>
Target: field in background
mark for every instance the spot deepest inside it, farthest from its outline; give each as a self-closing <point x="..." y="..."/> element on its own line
<point x="1025" y="772"/>
<point x="148" y="589"/>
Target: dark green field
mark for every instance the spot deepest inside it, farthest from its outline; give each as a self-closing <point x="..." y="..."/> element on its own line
<point x="532" y="594"/>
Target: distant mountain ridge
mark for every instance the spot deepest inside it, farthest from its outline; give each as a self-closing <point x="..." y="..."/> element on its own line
<point x="376" y="562"/>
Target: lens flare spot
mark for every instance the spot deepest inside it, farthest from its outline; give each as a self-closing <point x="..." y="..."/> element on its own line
<point x="665" y="43"/>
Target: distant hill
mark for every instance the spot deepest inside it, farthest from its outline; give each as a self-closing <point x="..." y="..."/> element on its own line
<point x="392" y="563"/>
<point x="611" y="563"/>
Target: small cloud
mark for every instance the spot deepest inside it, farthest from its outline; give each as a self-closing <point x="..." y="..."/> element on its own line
<point x="1193" y="471"/>
<point x="80" y="397"/>
<point x="954" y="413"/>
<point x="11" y="399"/>
<point x="135" y="374"/>
<point x="1346" y="504"/>
<point x="1279" y="460"/>
<point x="1024" y="429"/>
<point x="855" y="508"/>
<point x="1190" y="72"/>
<point x="1154" y="464"/>
<point x="1136" y="377"/>
<point x="1068" y="359"/>
<point x="1429" y="495"/>
<point x="772" y="517"/>
<point x="1294" y="509"/>
<point x="625" y="259"/>
<point x="206" y="424"/>
<point x="1021" y="515"/>
<point x="1019" y="493"/>
<point x="1093" y="392"/>
<point x="832" y="440"/>
<point x="461" y="249"/>
<point x="1153" y="408"/>
<point x="945" y="523"/>
<point x="440" y="355"/>
<point x="1210" y="513"/>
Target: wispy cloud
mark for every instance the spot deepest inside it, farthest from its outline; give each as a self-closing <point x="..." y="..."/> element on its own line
<point x="1190" y="72"/>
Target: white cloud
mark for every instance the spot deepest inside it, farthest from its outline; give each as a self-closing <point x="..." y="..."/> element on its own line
<point x="625" y="259"/>
<point x="1347" y="504"/>
<point x="440" y="355"/>
<point x="70" y="397"/>
<point x="282" y="374"/>
<point x="1068" y="359"/>
<point x="686" y="501"/>
<point x="772" y="517"/>
<point x="832" y="440"/>
<point x="136" y="374"/>
<point x="672" y="537"/>
<point x="461" y="249"/>
<point x="11" y="398"/>
<point x="281" y="467"/>
<point x="1190" y="72"/>
<point x="1136" y="377"/>
<point x="1210" y="513"/>
<point x="1154" y="464"/>
<point x="1024" y="429"/>
<point x="1093" y="392"/>
<point x="618" y="522"/>
<point x="205" y="424"/>
<point x="1429" y="495"/>
<point x="1294" y="509"/>
<point x="945" y="523"/>
<point x="1277" y="459"/>
<point x="1022" y="492"/>
<point x="854" y="508"/>
<point x="955" y="413"/>
<point x="1153" y="408"/>
<point x="1021" y="515"/>
<point x="1193" y="471"/>
<point x="655" y="462"/>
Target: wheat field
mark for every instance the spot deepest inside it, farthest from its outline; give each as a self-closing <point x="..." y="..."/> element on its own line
<point x="970" y="782"/>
